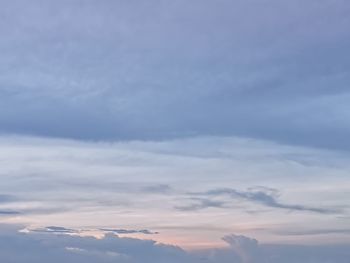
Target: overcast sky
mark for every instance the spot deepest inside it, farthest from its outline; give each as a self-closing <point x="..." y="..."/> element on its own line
<point x="175" y="131"/>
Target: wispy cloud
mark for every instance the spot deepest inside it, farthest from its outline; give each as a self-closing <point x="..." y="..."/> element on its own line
<point x="55" y="230"/>
<point x="146" y="185"/>
<point x="312" y="232"/>
<point x="129" y="231"/>
<point x="264" y="196"/>
<point x="64" y="230"/>
<point x="9" y="212"/>
<point x="201" y="203"/>
<point x="158" y="188"/>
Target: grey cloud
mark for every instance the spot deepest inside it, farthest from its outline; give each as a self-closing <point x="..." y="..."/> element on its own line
<point x="107" y="69"/>
<point x="249" y="250"/>
<point x="266" y="197"/>
<point x="246" y="248"/>
<point x="4" y="198"/>
<point x="300" y="253"/>
<point x="159" y="188"/>
<point x="35" y="211"/>
<point x="129" y="231"/>
<point x="201" y="203"/>
<point x="308" y="232"/>
<point x="39" y="248"/>
<point x="9" y="212"/>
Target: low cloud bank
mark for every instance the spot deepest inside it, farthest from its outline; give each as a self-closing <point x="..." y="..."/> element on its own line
<point x="38" y="247"/>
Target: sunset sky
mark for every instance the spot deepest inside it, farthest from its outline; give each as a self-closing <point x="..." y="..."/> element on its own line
<point x="174" y="131"/>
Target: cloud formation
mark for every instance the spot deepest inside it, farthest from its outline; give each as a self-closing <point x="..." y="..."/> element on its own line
<point x="50" y="247"/>
<point x="40" y="248"/>
<point x="246" y="248"/>
<point x="9" y="212"/>
<point x="105" y="70"/>
<point x="5" y="198"/>
<point x="55" y="230"/>
<point x="264" y="196"/>
<point x="200" y="203"/>
<point x="133" y="186"/>
<point x="129" y="231"/>
<point x="117" y="116"/>
<point x="64" y="230"/>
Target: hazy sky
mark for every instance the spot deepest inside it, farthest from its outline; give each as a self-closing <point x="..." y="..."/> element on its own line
<point x="174" y="131"/>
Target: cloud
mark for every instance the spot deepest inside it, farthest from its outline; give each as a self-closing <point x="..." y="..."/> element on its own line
<point x="129" y="231"/>
<point x="34" y="210"/>
<point x="64" y="230"/>
<point x="158" y="188"/>
<point x="145" y="185"/>
<point x="106" y="70"/>
<point x="266" y="197"/>
<point x="36" y="247"/>
<point x="201" y="203"/>
<point x="135" y="86"/>
<point x="311" y="232"/>
<point x="55" y="230"/>
<point x="4" y="198"/>
<point x="246" y="248"/>
<point x="9" y="212"/>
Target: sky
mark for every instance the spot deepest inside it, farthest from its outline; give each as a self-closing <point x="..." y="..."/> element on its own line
<point x="174" y="131"/>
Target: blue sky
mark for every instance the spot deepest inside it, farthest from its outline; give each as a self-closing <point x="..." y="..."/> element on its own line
<point x="219" y="128"/>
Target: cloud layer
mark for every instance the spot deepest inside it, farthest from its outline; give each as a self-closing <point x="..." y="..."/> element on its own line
<point x="176" y="188"/>
<point x="39" y="248"/>
<point x="112" y="70"/>
<point x="181" y="121"/>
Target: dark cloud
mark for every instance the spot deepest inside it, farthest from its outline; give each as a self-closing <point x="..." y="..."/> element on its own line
<point x="5" y="198"/>
<point x="249" y="250"/>
<point x="266" y="197"/>
<point x="39" y="248"/>
<point x="129" y="231"/>
<point x="34" y="211"/>
<point x="107" y="70"/>
<point x="9" y="212"/>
